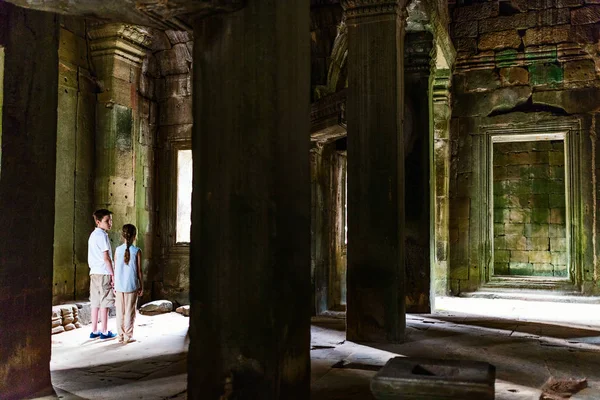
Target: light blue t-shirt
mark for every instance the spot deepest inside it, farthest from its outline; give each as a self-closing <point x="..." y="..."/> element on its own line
<point x="126" y="279"/>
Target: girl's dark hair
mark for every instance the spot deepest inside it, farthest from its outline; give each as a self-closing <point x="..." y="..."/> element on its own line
<point x="128" y="233"/>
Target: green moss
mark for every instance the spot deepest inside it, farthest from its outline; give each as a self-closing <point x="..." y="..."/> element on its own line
<point x="545" y="74"/>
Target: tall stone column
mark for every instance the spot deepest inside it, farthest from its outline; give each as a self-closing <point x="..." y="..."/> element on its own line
<point x="250" y="248"/>
<point x="117" y="52"/>
<point x="440" y="116"/>
<point x="376" y="293"/>
<point x="27" y="179"/>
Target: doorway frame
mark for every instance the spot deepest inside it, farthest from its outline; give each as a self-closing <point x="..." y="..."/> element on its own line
<point x="566" y="129"/>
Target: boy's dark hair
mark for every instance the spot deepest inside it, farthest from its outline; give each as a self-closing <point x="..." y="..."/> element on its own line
<point x="101" y="213"/>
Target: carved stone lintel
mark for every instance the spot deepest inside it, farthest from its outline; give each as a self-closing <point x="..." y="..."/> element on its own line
<point x="370" y="8"/>
<point x="127" y="41"/>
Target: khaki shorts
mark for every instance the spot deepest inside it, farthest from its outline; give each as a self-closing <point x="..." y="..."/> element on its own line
<point x="101" y="291"/>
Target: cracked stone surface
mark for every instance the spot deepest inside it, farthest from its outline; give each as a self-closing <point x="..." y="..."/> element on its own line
<point x="528" y="342"/>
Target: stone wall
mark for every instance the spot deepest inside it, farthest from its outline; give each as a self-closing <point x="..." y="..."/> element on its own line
<point x="324" y="21"/>
<point x="529" y="209"/>
<point x="173" y="54"/>
<point x="522" y="66"/>
<point x="74" y="162"/>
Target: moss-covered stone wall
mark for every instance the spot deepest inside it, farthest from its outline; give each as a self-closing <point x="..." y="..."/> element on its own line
<point x="74" y="163"/>
<point x="522" y="66"/>
<point x="529" y="209"/>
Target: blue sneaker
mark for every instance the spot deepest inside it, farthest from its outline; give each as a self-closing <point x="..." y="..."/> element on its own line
<point x="94" y="335"/>
<point x="109" y="335"/>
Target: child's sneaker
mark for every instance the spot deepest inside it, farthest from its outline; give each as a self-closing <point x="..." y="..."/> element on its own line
<point x="94" y="335"/>
<point x="109" y="335"/>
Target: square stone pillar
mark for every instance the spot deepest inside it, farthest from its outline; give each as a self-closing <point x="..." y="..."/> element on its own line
<point x="27" y="180"/>
<point x="376" y="274"/>
<point x="250" y="250"/>
<point x="117" y="52"/>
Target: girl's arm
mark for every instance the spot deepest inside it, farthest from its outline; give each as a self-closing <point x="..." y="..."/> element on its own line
<point x="139" y="273"/>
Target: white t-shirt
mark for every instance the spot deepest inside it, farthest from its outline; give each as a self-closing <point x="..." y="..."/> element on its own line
<point x="98" y="243"/>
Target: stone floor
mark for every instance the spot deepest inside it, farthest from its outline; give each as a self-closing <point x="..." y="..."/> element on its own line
<point x="526" y="341"/>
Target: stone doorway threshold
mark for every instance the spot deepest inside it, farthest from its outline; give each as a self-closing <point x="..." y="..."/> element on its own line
<point x="531" y="295"/>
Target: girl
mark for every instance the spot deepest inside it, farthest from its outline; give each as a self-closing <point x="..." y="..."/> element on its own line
<point x="128" y="282"/>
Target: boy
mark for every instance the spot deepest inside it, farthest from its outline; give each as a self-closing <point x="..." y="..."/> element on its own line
<point x="101" y="273"/>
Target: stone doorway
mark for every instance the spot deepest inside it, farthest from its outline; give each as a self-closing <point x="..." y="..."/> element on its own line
<point x="529" y="207"/>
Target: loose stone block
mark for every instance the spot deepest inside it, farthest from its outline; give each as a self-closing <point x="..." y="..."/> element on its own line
<point x="500" y="40"/>
<point x="414" y="378"/>
<point x="156" y="307"/>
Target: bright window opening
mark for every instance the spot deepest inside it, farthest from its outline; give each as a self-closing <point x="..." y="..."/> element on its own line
<point x="184" y="195"/>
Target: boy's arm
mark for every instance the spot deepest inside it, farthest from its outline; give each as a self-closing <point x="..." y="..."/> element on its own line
<point x="139" y="272"/>
<point x="108" y="263"/>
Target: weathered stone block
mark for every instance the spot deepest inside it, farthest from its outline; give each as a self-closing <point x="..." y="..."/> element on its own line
<point x="538" y="243"/>
<point x="502" y="23"/>
<point x="558" y="244"/>
<point x="557" y="215"/>
<point x="176" y="111"/>
<point x="465" y="30"/>
<point x="556" y="158"/>
<point x="514" y="76"/>
<point x="498" y="229"/>
<point x="500" y="40"/>
<point x="572" y="101"/>
<point x="520" y="215"/>
<point x="559" y="258"/>
<point x="160" y="41"/>
<point x="516" y="242"/>
<point x="568" y="3"/>
<point x="178" y="36"/>
<point x="481" y="80"/>
<point x="561" y="271"/>
<point x="580" y="70"/>
<point x="540" y="257"/>
<point x="586" y="15"/>
<point x="550" y="16"/>
<point x="476" y="12"/>
<point x="540" y="215"/>
<point x="518" y="256"/>
<point x="556" y="201"/>
<point x="501" y="268"/>
<point x="540" y="186"/>
<point x="557" y="231"/>
<point x="174" y="61"/>
<point x="521" y="268"/>
<point x="465" y="45"/>
<point x="545" y="74"/>
<point x="543" y="269"/>
<point x="502" y="256"/>
<point x="499" y="243"/>
<point x="514" y="229"/>
<point x="547" y="35"/>
<point x="175" y="85"/>
<point x="536" y="230"/>
<point x="501" y="215"/>
<point x="586" y="33"/>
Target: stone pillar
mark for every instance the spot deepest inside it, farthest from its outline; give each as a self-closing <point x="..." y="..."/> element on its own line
<point x="376" y="294"/>
<point x="28" y="167"/>
<point x="117" y="53"/>
<point x="250" y="248"/>
<point x="440" y="178"/>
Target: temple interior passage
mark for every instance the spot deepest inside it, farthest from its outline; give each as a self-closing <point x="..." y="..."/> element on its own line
<point x="316" y="186"/>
